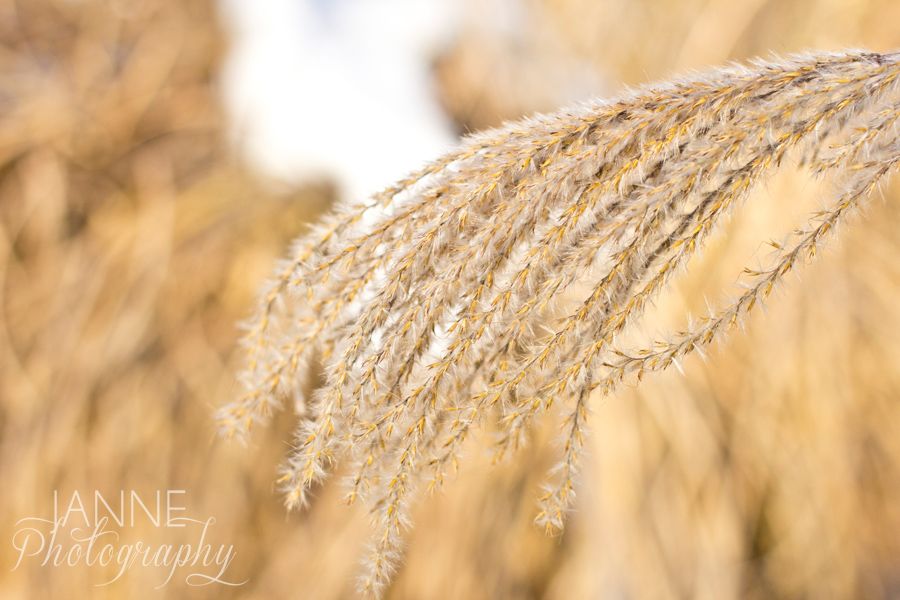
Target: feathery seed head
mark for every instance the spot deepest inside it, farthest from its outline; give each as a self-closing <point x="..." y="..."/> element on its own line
<point x="446" y="300"/>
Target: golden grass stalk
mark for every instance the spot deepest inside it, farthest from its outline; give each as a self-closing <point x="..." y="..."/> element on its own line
<point x="445" y="302"/>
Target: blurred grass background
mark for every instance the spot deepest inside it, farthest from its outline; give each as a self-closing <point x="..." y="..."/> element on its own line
<point x="132" y="240"/>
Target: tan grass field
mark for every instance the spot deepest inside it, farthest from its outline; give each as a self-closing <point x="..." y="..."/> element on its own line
<point x="132" y="242"/>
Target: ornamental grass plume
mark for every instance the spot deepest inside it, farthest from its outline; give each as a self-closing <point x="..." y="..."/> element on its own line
<point x="456" y="298"/>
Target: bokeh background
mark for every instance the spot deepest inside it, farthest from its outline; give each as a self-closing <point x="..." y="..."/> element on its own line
<point x="156" y="156"/>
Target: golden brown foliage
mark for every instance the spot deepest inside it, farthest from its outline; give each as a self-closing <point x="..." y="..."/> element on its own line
<point x="771" y="470"/>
